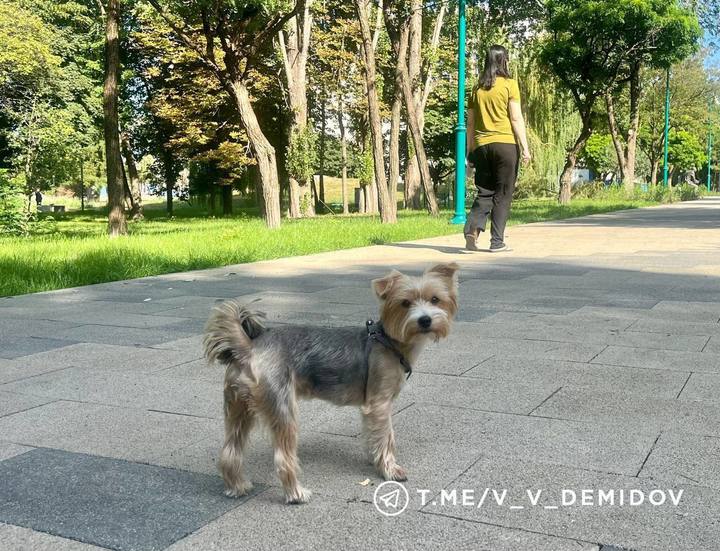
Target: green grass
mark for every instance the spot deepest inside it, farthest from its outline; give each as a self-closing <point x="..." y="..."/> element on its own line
<point x="75" y="251"/>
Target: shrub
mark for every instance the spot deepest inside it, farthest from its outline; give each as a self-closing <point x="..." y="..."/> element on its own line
<point x="14" y="218"/>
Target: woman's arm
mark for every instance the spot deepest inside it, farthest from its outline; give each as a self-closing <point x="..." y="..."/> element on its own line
<point x="518" y="125"/>
<point x="470" y="132"/>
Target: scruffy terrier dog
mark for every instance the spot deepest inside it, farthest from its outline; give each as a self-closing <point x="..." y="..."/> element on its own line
<point x="269" y="369"/>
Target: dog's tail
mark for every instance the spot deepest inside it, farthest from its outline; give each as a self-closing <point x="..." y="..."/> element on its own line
<point x="229" y="333"/>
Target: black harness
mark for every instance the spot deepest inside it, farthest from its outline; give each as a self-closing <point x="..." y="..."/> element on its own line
<point x="377" y="334"/>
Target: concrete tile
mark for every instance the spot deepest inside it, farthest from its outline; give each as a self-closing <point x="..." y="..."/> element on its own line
<point x="333" y="523"/>
<point x="448" y="361"/>
<point x="690" y="525"/>
<point x="702" y="387"/>
<point x="11" y="402"/>
<point x="440" y="431"/>
<point x="8" y="450"/>
<point x="17" y="538"/>
<point x="120" y="319"/>
<point x="704" y="311"/>
<point x="15" y="347"/>
<point x="131" y="336"/>
<point x="676" y="327"/>
<point x="653" y="414"/>
<point x="659" y="359"/>
<point x="484" y="394"/>
<point x="589" y="377"/>
<point x="102" y="357"/>
<point x="566" y="321"/>
<point x="684" y="459"/>
<point x="111" y="503"/>
<point x="713" y="346"/>
<point x="196" y="370"/>
<point x="125" y="389"/>
<point x="104" y="430"/>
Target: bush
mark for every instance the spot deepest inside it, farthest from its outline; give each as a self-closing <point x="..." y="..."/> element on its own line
<point x="14" y="218"/>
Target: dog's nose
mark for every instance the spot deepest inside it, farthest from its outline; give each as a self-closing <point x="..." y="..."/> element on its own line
<point x="425" y="322"/>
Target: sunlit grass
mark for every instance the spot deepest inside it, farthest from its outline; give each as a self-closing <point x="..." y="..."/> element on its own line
<point x="75" y="250"/>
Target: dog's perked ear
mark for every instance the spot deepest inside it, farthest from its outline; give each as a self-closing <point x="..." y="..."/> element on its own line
<point x="448" y="270"/>
<point x="383" y="285"/>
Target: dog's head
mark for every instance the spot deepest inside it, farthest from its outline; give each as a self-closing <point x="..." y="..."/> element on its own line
<point x="413" y="308"/>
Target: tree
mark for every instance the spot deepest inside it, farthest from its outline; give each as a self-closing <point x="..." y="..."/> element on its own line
<point x="387" y="204"/>
<point x="586" y="51"/>
<point x="685" y="152"/>
<point x="598" y="153"/>
<point x="117" y="224"/>
<point x="654" y="33"/>
<point x="238" y="32"/>
<point x="397" y="23"/>
<point x="294" y="44"/>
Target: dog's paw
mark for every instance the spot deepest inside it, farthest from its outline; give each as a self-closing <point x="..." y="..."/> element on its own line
<point x="240" y="490"/>
<point x="397" y="473"/>
<point x="298" y="496"/>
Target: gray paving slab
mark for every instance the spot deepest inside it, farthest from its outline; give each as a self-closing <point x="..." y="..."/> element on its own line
<point x="712" y="346"/>
<point x="659" y="359"/>
<point x="589" y="377"/>
<point x="701" y="387"/>
<point x="131" y="336"/>
<point x="688" y="526"/>
<point x="17" y="538"/>
<point x="115" y="504"/>
<point x="656" y="414"/>
<point x="446" y="430"/>
<point x="643" y="313"/>
<point x="12" y="402"/>
<point x="100" y="356"/>
<point x="108" y="431"/>
<point x="676" y="327"/>
<point x="15" y="347"/>
<point x="484" y="394"/>
<point x="8" y="450"/>
<point x="336" y="523"/>
<point x="119" y="319"/>
<point x="705" y="310"/>
<point x="685" y="459"/>
<point x="120" y="388"/>
<point x="448" y="361"/>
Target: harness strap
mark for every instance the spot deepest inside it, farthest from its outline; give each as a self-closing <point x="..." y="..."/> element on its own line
<point x="376" y="333"/>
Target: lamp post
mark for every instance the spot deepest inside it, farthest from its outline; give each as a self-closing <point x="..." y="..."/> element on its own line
<point x="460" y="128"/>
<point x="666" y="132"/>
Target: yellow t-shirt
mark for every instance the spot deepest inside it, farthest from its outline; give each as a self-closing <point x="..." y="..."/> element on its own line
<point x="490" y="107"/>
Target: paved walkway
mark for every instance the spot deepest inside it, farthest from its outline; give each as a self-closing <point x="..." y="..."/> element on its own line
<point x="586" y="365"/>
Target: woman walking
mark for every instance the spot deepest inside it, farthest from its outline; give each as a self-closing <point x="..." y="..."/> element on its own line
<point x="496" y="139"/>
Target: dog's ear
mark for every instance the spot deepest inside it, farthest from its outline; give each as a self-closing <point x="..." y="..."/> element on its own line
<point x="447" y="270"/>
<point x="383" y="285"/>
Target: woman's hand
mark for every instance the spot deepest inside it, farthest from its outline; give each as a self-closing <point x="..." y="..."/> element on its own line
<point x="526" y="157"/>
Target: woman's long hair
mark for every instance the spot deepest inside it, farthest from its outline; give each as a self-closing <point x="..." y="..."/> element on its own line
<point x="496" y="65"/>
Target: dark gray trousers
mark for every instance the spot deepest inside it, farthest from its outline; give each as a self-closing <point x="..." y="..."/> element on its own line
<point x="496" y="169"/>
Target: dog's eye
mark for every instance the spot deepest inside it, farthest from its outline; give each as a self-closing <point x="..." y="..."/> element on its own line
<point x="434" y="300"/>
<point x="406" y="303"/>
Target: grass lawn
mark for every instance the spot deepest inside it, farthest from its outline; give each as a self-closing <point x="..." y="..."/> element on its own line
<point x="75" y="250"/>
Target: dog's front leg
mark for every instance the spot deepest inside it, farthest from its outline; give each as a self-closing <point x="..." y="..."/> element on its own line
<point x="377" y="425"/>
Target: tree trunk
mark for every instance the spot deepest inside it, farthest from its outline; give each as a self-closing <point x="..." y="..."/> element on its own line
<point x="615" y="134"/>
<point x="635" y="93"/>
<point x="264" y="154"/>
<point x="386" y="203"/>
<point x="213" y="195"/>
<point x="295" y="51"/>
<point x="571" y="160"/>
<point x="227" y="200"/>
<point x="343" y="154"/>
<point x="412" y="174"/>
<point x="133" y="179"/>
<point x="322" y="151"/>
<point x="395" y="112"/>
<point x="654" y="166"/>
<point x="117" y="224"/>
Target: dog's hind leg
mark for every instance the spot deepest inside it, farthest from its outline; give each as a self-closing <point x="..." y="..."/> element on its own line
<point x="378" y="430"/>
<point x="284" y="427"/>
<point x="239" y="419"/>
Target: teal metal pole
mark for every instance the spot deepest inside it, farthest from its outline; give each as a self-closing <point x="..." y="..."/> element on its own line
<point x="709" y="167"/>
<point x="460" y="129"/>
<point x="666" y="132"/>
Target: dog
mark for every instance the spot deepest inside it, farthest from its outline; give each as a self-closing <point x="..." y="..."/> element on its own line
<point x="269" y="369"/>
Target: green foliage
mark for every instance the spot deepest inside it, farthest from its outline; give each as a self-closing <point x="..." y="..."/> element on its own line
<point x="14" y="217"/>
<point x="302" y="154"/>
<point x="685" y="152"/>
<point x="599" y="154"/>
<point x="365" y="167"/>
